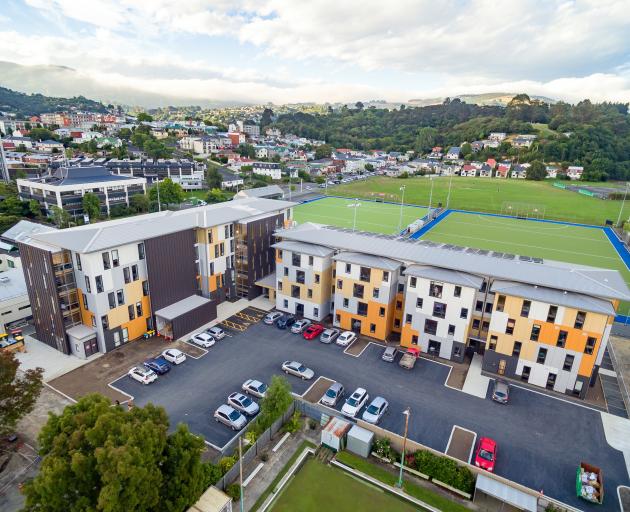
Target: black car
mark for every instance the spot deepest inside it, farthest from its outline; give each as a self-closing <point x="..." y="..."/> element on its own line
<point x="285" y="321"/>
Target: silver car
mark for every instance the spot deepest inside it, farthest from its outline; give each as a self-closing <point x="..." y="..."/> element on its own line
<point x="230" y="417"/>
<point x="332" y="395"/>
<point x="300" y="325"/>
<point x="375" y="410"/>
<point x="501" y="391"/>
<point x="271" y="318"/>
<point x="389" y="354"/>
<point x="298" y="369"/>
<point x="255" y="388"/>
<point x="216" y="332"/>
<point x="243" y="403"/>
<point x="329" y="335"/>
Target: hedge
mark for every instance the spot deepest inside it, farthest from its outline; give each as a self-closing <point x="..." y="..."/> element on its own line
<point x="443" y="469"/>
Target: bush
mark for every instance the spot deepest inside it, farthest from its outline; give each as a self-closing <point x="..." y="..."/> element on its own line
<point x="444" y="469"/>
<point x="294" y="423"/>
<point x="264" y="456"/>
<point x="234" y="491"/>
<point x="383" y="448"/>
<point x="251" y="436"/>
<point x="226" y="463"/>
<point x="312" y="424"/>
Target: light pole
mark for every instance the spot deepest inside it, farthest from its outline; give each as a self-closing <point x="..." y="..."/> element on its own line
<point x="240" y="469"/>
<point x="354" y="205"/>
<point x="158" y="195"/>
<point x="448" y="197"/>
<point x="430" y="197"/>
<point x="406" y="414"/>
<point x="622" y="204"/>
<point x="402" y="200"/>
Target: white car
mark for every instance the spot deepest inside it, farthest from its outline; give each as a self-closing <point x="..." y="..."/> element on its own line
<point x="255" y="388"/>
<point x="142" y="374"/>
<point x="271" y="318"/>
<point x="300" y="325"/>
<point x="172" y="355"/>
<point x="216" y="332"/>
<point x="297" y="369"/>
<point x="354" y="403"/>
<point x="375" y="410"/>
<point x="202" y="339"/>
<point x="230" y="417"/>
<point x="345" y="338"/>
<point x="243" y="403"/>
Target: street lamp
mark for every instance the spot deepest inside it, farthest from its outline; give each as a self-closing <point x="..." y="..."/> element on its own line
<point x="240" y="469"/>
<point x="402" y="199"/>
<point x="448" y="197"/>
<point x="354" y="205"/>
<point x="430" y="196"/>
<point x="622" y="204"/>
<point x="406" y="414"/>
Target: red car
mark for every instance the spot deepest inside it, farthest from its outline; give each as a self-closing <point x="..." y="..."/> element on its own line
<point x="312" y="331"/>
<point x="486" y="454"/>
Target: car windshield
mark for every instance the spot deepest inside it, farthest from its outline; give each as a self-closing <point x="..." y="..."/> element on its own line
<point x="331" y="393"/>
<point x="372" y="409"/>
<point x="246" y="401"/>
<point x="486" y="455"/>
<point x="352" y="401"/>
<point x="301" y="368"/>
<point x="262" y="388"/>
<point x="499" y="393"/>
<point x="234" y="415"/>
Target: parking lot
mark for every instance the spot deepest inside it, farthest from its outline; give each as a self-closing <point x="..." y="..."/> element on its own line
<point x="541" y="439"/>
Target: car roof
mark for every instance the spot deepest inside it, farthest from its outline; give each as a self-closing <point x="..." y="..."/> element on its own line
<point x="237" y="394"/>
<point x="390" y="349"/>
<point x="225" y="408"/>
<point x="174" y="351"/>
<point x="487" y="443"/>
<point x="336" y="385"/>
<point x="254" y="382"/>
<point x="330" y="330"/>
<point x="379" y="400"/>
<point x="359" y="390"/>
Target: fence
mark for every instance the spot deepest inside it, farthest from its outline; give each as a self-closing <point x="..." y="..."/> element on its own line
<point x="253" y="450"/>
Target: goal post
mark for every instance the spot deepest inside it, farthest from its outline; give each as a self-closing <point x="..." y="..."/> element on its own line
<point x="523" y="210"/>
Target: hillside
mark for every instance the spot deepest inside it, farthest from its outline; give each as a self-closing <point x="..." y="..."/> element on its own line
<point x="501" y="99"/>
<point x="24" y="105"/>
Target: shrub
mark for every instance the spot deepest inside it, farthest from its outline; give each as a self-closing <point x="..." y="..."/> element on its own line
<point x="226" y="463"/>
<point x="312" y="424"/>
<point x="251" y="437"/>
<point x="234" y="491"/>
<point x="264" y="456"/>
<point x="383" y="448"/>
<point x="294" y="423"/>
<point x="445" y="470"/>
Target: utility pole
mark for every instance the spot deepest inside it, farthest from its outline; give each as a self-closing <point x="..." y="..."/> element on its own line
<point x="622" y="204"/>
<point x="240" y="469"/>
<point x="158" y="195"/>
<point x="402" y="200"/>
<point x="406" y="414"/>
<point x="4" y="169"/>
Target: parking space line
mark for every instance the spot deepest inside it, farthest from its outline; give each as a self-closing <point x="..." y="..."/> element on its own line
<point x="193" y="345"/>
<point x="111" y="385"/>
<point x="472" y="446"/>
<point x="360" y="353"/>
<point x="213" y="446"/>
<point x="60" y="392"/>
<point x="309" y="388"/>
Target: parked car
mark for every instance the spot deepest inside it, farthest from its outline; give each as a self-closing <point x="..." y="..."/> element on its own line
<point x="271" y="318"/>
<point x="255" y="388"/>
<point x="300" y="325"/>
<point x="243" y="403"/>
<point x="501" y="391"/>
<point x="345" y="338"/>
<point x="298" y="369"/>
<point x="172" y="355"/>
<point x="142" y="374"/>
<point x="230" y="417"/>
<point x="375" y="410"/>
<point x="333" y="394"/>
<point x="216" y="332"/>
<point x="159" y="365"/>
<point x="486" y="454"/>
<point x="389" y="354"/>
<point x="354" y="402"/>
<point x="285" y="321"/>
<point x="329" y="335"/>
<point x="202" y="339"/>
<point x="312" y="331"/>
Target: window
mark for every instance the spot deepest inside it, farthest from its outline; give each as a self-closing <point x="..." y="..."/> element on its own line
<point x="553" y="311"/>
<point x="286" y="303"/>
<point x="212" y="268"/>
<point x="500" y="302"/>
<point x="364" y="274"/>
<point x="372" y="328"/>
<point x="463" y="313"/>
<point x="414" y="339"/>
<point x="412" y="282"/>
<point x="85" y="302"/>
<point x="296" y="259"/>
<point x="485" y="325"/>
<point x="430" y="326"/>
<point x="222" y="249"/>
<point x="88" y="288"/>
<point x="516" y="350"/>
<point x="590" y="345"/>
<point x="509" y="328"/>
<point x="479" y="305"/>
<point x="401" y="287"/>
<point x="279" y="254"/>
<point x="115" y="260"/>
<point x="348" y="268"/>
<point x="476" y="323"/>
<point x="141" y="251"/>
<point x="385" y="277"/>
<point x="526" y="371"/>
<point x="357" y="291"/>
<point x="375" y="293"/>
<point x="483" y="286"/>
<point x="139" y="308"/>
<point x="535" y="332"/>
<point x="381" y="311"/>
<point x="439" y="310"/>
<point x="132" y="312"/>
<point x="317" y="278"/>
<point x="362" y="309"/>
<point x="120" y="297"/>
<point x="210" y="236"/>
<point x="78" y="258"/>
<point x="315" y="312"/>
<point x="577" y="390"/>
<point x="451" y="330"/>
<point x="286" y="271"/>
<point x="397" y="322"/>
<point x="106" y="264"/>
<point x="562" y="339"/>
<point x="337" y="318"/>
<point x="99" y="284"/>
<point x="300" y="276"/>
<point x="105" y="322"/>
<point x="346" y="303"/>
<point x="311" y="260"/>
<point x="525" y="308"/>
<point x="127" y="275"/>
<point x="145" y="288"/>
<point x="339" y="284"/>
<point x="457" y="292"/>
<point x="134" y="272"/>
<point x="227" y="231"/>
<point x="579" y="319"/>
<point x="542" y="356"/>
<point x="488" y="307"/>
<point x="216" y="251"/>
<point x="568" y="362"/>
<point x="435" y="289"/>
<point x="419" y="303"/>
<point x="309" y="293"/>
<point x="408" y="318"/>
<point x="280" y="285"/>
<point x="295" y="291"/>
<point x="111" y="299"/>
<point x="398" y="304"/>
<point x="493" y="343"/>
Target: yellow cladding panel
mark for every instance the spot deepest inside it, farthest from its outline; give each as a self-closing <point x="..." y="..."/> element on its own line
<point x="320" y="292"/>
<point x="133" y="292"/>
<point x="407" y="334"/>
<point x="347" y="287"/>
<point x="86" y="315"/>
<point x="117" y="316"/>
<point x="138" y="326"/>
<point x="373" y="318"/>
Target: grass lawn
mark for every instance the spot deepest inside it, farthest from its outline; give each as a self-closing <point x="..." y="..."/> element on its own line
<point x="489" y="194"/>
<point x="317" y="486"/>
<point x="371" y="216"/>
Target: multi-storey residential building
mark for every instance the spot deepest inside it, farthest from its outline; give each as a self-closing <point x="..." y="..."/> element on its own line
<point x="98" y="286"/>
<point x="268" y="169"/>
<point x="544" y="322"/>
<point x="189" y="174"/>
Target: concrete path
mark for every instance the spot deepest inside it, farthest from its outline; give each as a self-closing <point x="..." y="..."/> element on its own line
<point x="617" y="432"/>
<point x="475" y="383"/>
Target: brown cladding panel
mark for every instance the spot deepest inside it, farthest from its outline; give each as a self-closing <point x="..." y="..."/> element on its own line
<point x="193" y="319"/>
<point x="261" y="256"/>
<point x="171" y="268"/>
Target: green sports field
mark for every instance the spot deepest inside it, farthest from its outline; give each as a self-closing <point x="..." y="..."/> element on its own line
<point x="318" y="487"/>
<point x="560" y="242"/>
<point x="371" y="216"/>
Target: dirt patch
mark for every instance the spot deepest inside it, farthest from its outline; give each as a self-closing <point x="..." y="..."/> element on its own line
<point x="461" y="444"/>
<point x="624" y="496"/>
<point x="94" y="377"/>
<point x="357" y="347"/>
<point x="318" y="389"/>
<point x="457" y="376"/>
<point x="595" y="395"/>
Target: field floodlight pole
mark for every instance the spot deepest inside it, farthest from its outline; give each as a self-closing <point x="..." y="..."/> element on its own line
<point x="448" y="197"/>
<point x="622" y="204"/>
<point x="406" y="414"/>
<point x="430" y="197"/>
<point x="354" y="205"/>
<point x="240" y="469"/>
<point x="158" y="196"/>
<point x="402" y="200"/>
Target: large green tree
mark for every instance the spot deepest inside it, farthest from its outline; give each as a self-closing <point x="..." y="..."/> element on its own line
<point x="536" y="171"/>
<point x="103" y="458"/>
<point x="213" y="177"/>
<point x="143" y="116"/>
<point x="60" y="217"/>
<point x="170" y="192"/>
<point x="139" y="203"/>
<point x="18" y="392"/>
<point x="277" y="399"/>
<point x="91" y="206"/>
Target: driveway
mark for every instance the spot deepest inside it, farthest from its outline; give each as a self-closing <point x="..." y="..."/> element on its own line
<point x="541" y="439"/>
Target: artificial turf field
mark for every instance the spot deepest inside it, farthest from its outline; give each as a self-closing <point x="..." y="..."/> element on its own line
<point x="560" y="242"/>
<point x="371" y="216"/>
<point x="317" y="487"/>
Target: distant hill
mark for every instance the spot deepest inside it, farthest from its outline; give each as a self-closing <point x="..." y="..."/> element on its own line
<point x="34" y="104"/>
<point x="500" y="99"/>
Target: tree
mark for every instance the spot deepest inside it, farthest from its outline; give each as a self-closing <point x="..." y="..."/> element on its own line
<point x="7" y="222"/>
<point x="99" y="457"/>
<point x="266" y="117"/>
<point x="91" y="206"/>
<point x="60" y="217"/>
<point x="213" y="177"/>
<point x="42" y="134"/>
<point x="34" y="208"/>
<point x="369" y="167"/>
<point x="536" y="171"/>
<point x="139" y="203"/>
<point x="359" y="105"/>
<point x="144" y="117"/>
<point x="17" y="394"/>
<point x="13" y="206"/>
<point x="323" y="151"/>
<point x="156" y="148"/>
<point x="216" y="195"/>
<point x="170" y="192"/>
<point x="277" y="399"/>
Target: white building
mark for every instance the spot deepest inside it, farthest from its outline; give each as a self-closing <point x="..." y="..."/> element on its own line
<point x="15" y="307"/>
<point x="268" y="169"/>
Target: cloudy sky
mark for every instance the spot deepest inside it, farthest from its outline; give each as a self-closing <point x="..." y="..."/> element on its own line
<point x="317" y="50"/>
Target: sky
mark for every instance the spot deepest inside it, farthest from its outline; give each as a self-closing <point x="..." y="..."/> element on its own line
<point x="290" y="51"/>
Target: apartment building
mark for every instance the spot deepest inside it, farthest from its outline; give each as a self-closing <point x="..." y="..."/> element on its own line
<point x="189" y="174"/>
<point x="95" y="287"/>
<point x="543" y="322"/>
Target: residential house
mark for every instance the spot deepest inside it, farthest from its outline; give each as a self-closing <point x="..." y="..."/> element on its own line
<point x="454" y="153"/>
<point x="574" y="172"/>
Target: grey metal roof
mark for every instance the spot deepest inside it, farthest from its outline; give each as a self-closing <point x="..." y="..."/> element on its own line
<point x="113" y="233"/>
<point x="12" y="284"/>
<point x="587" y="280"/>
<point x="269" y="281"/>
<point x="445" y="275"/>
<point x="24" y="229"/>
<point x="181" y="307"/>
<point x="551" y="296"/>
<point x="519" y="499"/>
<point x="269" y="190"/>
<point x="367" y="260"/>
<point x="311" y="249"/>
